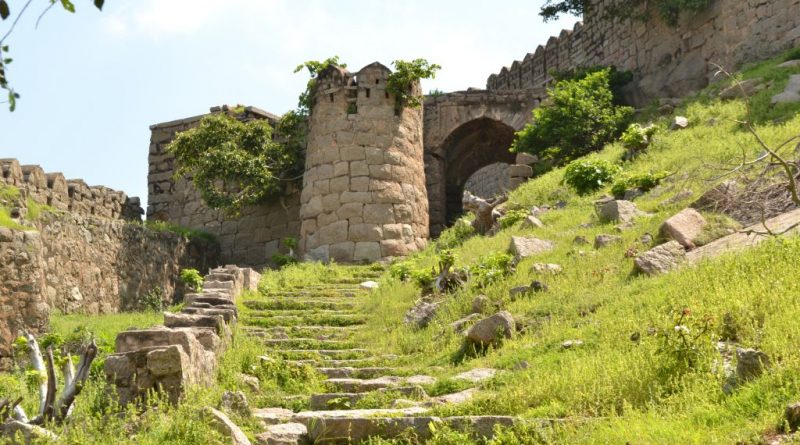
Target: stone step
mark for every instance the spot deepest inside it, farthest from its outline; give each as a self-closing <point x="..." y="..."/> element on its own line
<point x="355" y="373"/>
<point x="318" y="332"/>
<point x="325" y="303"/>
<point x="295" y="320"/>
<point x="300" y="313"/>
<point x="348" y="400"/>
<point x="348" y="363"/>
<point x="316" y="354"/>
<point x="383" y="382"/>
<point x="307" y="344"/>
<point x="354" y="426"/>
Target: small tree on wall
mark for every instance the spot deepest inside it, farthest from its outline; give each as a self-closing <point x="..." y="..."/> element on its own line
<point x="669" y="10"/>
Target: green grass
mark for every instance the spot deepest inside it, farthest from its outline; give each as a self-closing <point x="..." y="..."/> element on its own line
<point x="162" y="226"/>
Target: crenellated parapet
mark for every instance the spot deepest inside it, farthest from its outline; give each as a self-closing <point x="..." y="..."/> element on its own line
<point x="667" y="61"/>
<point x="73" y="195"/>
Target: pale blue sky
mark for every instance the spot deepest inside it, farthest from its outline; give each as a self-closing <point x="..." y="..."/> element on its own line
<point x="93" y="82"/>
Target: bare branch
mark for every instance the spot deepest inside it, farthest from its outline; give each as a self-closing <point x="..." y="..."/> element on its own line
<point x="49" y="409"/>
<point x="37" y="362"/>
<point x="81" y="375"/>
<point x="14" y="24"/>
<point x="43" y="13"/>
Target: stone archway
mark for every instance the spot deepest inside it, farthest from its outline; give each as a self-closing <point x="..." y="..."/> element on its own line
<point x="469" y="148"/>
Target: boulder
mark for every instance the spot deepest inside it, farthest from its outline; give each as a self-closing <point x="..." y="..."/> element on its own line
<point x="679" y="123"/>
<point x="223" y="425"/>
<point x="750" y="364"/>
<point x="553" y="269"/>
<point x="792" y="413"/>
<point x="476" y="375"/>
<point x="515" y="292"/>
<point x="284" y="434"/>
<point x="604" y="240"/>
<point x="235" y="402"/>
<point x="522" y="247"/>
<point x="787" y="64"/>
<point x="743" y="89"/>
<point x="250" y="381"/>
<point x="526" y="159"/>
<point x="492" y="330"/>
<point x="618" y="211"/>
<point x="421" y="315"/>
<point x="480" y="304"/>
<point x="660" y="259"/>
<point x="460" y="324"/>
<point x="791" y="93"/>
<point x="532" y="222"/>
<point x="684" y="227"/>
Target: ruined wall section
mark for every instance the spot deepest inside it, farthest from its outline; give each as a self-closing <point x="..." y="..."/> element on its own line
<point x="69" y="195"/>
<point x="250" y="238"/>
<point x="364" y="196"/>
<point x="666" y="61"/>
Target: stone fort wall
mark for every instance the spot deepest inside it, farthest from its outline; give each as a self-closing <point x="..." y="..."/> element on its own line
<point x="666" y="61"/>
<point x="86" y="253"/>
<point x="252" y="237"/>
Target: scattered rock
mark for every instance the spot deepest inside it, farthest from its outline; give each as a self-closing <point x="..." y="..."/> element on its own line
<point x="421" y="315"/>
<point x="791" y="93"/>
<point x="461" y="324"/>
<point x="750" y="363"/>
<point x="677" y="198"/>
<point x="369" y="285"/>
<point x="420" y="380"/>
<point x="646" y="239"/>
<point x="604" y="240"/>
<point x="223" y="425"/>
<point x="251" y="382"/>
<point x="618" y="211"/>
<point x="553" y="269"/>
<point x="523" y="365"/>
<point x="235" y="403"/>
<point x="790" y="64"/>
<point x="745" y="88"/>
<point x="476" y="375"/>
<point x="632" y="194"/>
<point x="15" y="430"/>
<point x="480" y="304"/>
<point x="792" y="413"/>
<point x="684" y="227"/>
<point x="580" y="240"/>
<point x="532" y="222"/>
<point x="283" y="434"/>
<point x="517" y="291"/>
<point x="679" y="123"/>
<point x="491" y="330"/>
<point x="636" y="336"/>
<point x="272" y="416"/>
<point x="660" y="259"/>
<point x="569" y="344"/>
<point x="526" y="159"/>
<point x="538" y="286"/>
<point x="522" y="247"/>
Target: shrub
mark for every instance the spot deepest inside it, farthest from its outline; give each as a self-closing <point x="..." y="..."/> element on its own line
<point x="152" y="301"/>
<point x="616" y="79"/>
<point x="587" y="176"/>
<point x="405" y="75"/>
<point x="642" y="181"/>
<point x="491" y="268"/>
<point x="792" y="54"/>
<point x="578" y="118"/>
<point x="192" y="279"/>
<point x="512" y="217"/>
<point x="455" y="236"/>
<point x="637" y="138"/>
<point x="282" y="260"/>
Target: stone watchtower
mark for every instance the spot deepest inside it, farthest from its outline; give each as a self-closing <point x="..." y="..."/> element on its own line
<point x="364" y="196"/>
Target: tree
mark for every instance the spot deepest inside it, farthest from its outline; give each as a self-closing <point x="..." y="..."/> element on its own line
<point x="5" y="13"/>
<point x="669" y="10"/>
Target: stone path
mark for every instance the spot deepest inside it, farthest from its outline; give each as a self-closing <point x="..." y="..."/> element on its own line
<point x="315" y="326"/>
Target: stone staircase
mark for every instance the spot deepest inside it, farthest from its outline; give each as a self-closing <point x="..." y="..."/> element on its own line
<point x="315" y="326"/>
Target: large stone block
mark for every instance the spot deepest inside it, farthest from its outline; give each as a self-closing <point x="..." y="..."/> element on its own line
<point x="367" y="251"/>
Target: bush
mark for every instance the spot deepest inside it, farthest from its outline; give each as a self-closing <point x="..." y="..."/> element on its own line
<point x="282" y="260"/>
<point x="642" y="181"/>
<point x="616" y="79"/>
<point x="512" y="217"/>
<point x="455" y="236"/>
<point x="192" y="279"/>
<point x="578" y="118"/>
<point x="491" y="268"/>
<point x="637" y="138"/>
<point x="792" y="54"/>
<point x="152" y="301"/>
<point x="586" y="176"/>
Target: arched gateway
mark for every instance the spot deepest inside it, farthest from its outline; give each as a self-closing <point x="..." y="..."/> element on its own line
<point x="464" y="132"/>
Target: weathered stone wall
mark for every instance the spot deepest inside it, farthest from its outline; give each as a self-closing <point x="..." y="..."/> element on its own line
<point x="70" y="195"/>
<point x="79" y="256"/>
<point x="23" y="305"/>
<point x="490" y="181"/>
<point x="364" y="196"/>
<point x="666" y="61"/>
<point x="252" y="237"/>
